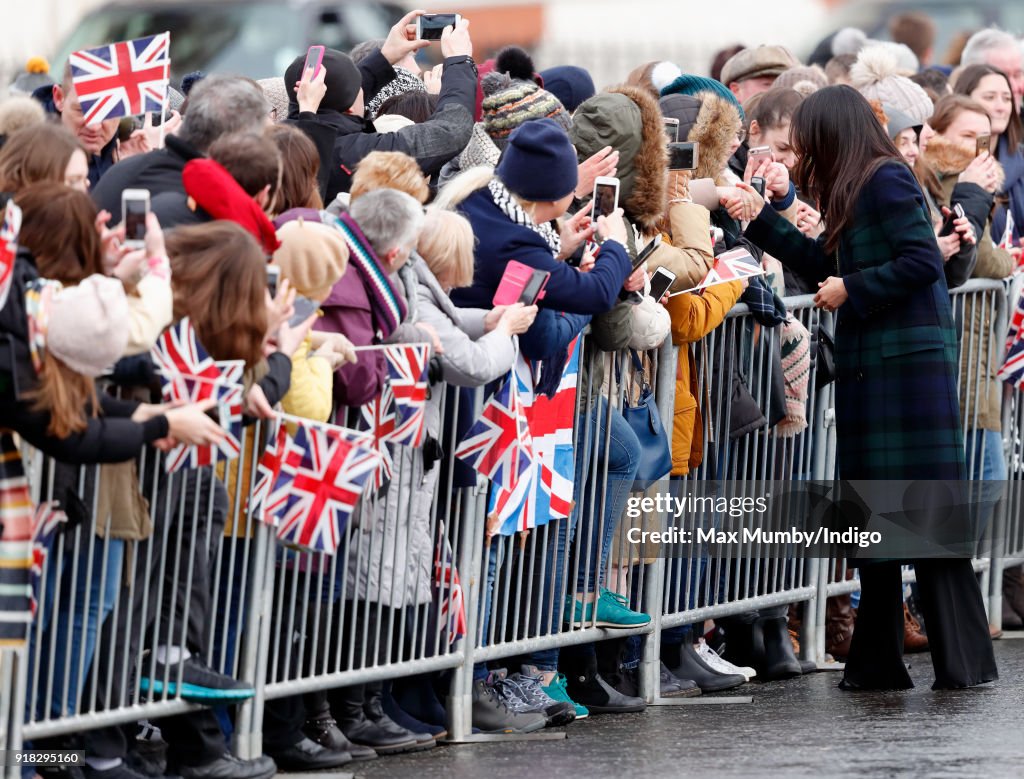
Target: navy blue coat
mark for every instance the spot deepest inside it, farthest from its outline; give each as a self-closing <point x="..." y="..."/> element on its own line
<point x="1013" y="165"/>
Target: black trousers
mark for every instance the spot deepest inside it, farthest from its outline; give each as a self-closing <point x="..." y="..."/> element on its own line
<point x="189" y="511"/>
<point x="954" y="613"/>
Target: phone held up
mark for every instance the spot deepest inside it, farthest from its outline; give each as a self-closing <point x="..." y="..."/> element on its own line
<point x="606" y="197"/>
<point x="430" y="26"/>
<point x="273" y="277"/>
<point x="660" y="282"/>
<point x="134" y="208"/>
<point x="672" y="129"/>
<point x="683" y="156"/>
<point x="948" y="225"/>
<point x="757" y="183"/>
<point x="983" y="144"/>
<point x="314" y="59"/>
<point x="760" y="155"/>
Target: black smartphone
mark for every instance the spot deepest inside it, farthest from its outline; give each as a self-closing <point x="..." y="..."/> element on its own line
<point x="273" y="277"/>
<point x="660" y="282"/>
<point x="646" y="252"/>
<point x="304" y="309"/>
<point x="758" y="185"/>
<point x="948" y="225"/>
<point x="430" y="26"/>
<point x="683" y="156"/>
<point x="533" y="287"/>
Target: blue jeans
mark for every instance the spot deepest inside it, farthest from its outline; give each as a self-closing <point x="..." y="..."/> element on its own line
<point x="622" y="454"/>
<point x="985" y="455"/>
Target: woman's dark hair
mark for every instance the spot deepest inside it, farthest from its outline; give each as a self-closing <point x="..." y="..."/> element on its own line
<point x="417" y="106"/>
<point x="300" y="164"/>
<point x="58" y="226"/>
<point x="775" y="108"/>
<point x="37" y="153"/>
<point x="968" y="81"/>
<point x="933" y="79"/>
<point x="839" y="145"/>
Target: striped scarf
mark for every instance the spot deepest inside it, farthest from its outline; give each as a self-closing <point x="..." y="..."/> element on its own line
<point x="38" y="304"/>
<point x="386" y="304"/>
<point x="15" y="546"/>
<point x="505" y="200"/>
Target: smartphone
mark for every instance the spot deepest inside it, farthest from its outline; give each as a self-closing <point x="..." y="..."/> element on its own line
<point x="430" y="26"/>
<point x="314" y="59"/>
<point x="760" y="155"/>
<point x="273" y="277"/>
<point x="672" y="129"/>
<point x="984" y="144"/>
<point x="516" y="281"/>
<point x="947" y="226"/>
<point x="606" y="197"/>
<point x="660" y="282"/>
<point x="757" y="184"/>
<point x="646" y="252"/>
<point x="134" y="208"/>
<point x="304" y="309"/>
<point x="683" y="156"/>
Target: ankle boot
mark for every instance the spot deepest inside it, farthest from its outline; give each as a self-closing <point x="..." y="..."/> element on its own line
<point x="373" y="707"/>
<point x="609" y="666"/>
<point x="690" y="666"/>
<point x="913" y="639"/>
<point x="585" y="686"/>
<point x="416" y="695"/>
<point x="778" y="660"/>
<point x="383" y="736"/>
<point x="839" y="624"/>
<point x="322" y="728"/>
<point x="742" y="647"/>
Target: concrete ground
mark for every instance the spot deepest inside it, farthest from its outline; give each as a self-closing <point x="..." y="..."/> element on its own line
<point x="803" y="727"/>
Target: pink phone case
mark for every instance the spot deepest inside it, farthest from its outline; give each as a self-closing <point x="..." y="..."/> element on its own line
<point x="516" y="276"/>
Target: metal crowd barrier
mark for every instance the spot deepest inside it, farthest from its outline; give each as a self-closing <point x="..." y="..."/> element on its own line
<point x="200" y="572"/>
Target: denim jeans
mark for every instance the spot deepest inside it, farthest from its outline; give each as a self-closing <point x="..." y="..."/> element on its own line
<point x="985" y="456"/>
<point x="622" y="453"/>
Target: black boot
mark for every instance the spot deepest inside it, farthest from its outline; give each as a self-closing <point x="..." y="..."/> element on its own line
<point x="609" y="666"/>
<point x="742" y="647"/>
<point x="690" y="666"/>
<point x="586" y="687"/>
<point x="778" y="660"/>
<point x="373" y="706"/>
<point x="322" y="729"/>
<point x="383" y="736"/>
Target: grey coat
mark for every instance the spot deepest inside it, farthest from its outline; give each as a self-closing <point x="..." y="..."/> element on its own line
<point x="394" y="544"/>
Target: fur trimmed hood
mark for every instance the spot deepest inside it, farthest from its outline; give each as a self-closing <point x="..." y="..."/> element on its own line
<point x="628" y="119"/>
<point x="714" y="128"/>
<point x="947" y="159"/>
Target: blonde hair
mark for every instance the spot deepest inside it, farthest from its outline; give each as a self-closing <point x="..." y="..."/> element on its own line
<point x="389" y="170"/>
<point x="446" y="244"/>
<point x="463" y="185"/>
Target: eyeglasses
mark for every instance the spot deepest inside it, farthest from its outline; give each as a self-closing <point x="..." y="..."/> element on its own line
<point x="741" y="135"/>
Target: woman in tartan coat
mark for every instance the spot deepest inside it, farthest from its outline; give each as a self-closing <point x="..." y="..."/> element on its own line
<point x="897" y="409"/>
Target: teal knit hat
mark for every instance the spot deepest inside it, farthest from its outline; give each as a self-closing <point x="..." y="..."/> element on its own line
<point x="691" y="85"/>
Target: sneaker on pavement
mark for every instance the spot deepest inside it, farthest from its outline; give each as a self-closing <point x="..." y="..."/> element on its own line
<point x="557" y="691"/>
<point x="532" y="689"/>
<point x="720" y="664"/>
<point x="199" y="682"/>
<point x="612" y="612"/>
<point x="492" y="714"/>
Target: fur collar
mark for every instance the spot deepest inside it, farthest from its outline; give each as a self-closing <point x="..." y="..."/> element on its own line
<point x="645" y="205"/>
<point x="716" y="126"/>
<point x="948" y="159"/>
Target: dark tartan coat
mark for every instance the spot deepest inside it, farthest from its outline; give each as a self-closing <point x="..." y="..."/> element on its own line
<point x="897" y="407"/>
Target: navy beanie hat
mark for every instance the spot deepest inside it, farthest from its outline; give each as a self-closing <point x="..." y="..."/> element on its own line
<point x="570" y="84"/>
<point x="343" y="80"/>
<point x="539" y="163"/>
<point x="691" y="85"/>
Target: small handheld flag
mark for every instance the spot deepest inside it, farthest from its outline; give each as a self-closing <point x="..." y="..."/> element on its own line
<point x="128" y="78"/>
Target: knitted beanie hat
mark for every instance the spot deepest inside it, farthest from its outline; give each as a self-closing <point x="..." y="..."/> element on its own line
<point x="276" y="94"/>
<point x="343" y="80"/>
<point x="570" y="84"/>
<point x="796" y="369"/>
<point x="795" y="78"/>
<point x="312" y="257"/>
<point x="521" y="102"/>
<point x="688" y="84"/>
<point x="88" y="327"/>
<point x="539" y="163"/>
<point x="876" y="75"/>
<point x="35" y="76"/>
<point x="404" y="81"/>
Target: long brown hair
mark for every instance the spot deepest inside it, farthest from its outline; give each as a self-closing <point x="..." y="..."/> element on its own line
<point x="34" y="154"/>
<point x="219" y="278"/>
<point x="839" y="145"/>
<point x="300" y="164"/>
<point x="59" y="227"/>
<point x="66" y="396"/>
<point x="967" y="81"/>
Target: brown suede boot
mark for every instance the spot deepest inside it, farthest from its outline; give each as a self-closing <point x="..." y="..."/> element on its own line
<point x="839" y="623"/>
<point x="913" y="639"/>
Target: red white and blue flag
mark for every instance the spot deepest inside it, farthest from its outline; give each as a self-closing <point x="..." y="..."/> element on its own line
<point x="8" y="248"/>
<point x="498" y="444"/>
<point x="47" y="520"/>
<point x="548" y="491"/>
<point x="324" y="481"/>
<point x="122" y="79"/>
<point x="1012" y="370"/>
<point x="729" y="266"/>
<point x="268" y="469"/>
<point x="379" y="417"/>
<point x="448" y="590"/>
<point x="407" y="373"/>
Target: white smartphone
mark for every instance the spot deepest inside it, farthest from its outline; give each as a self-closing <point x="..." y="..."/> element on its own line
<point x="430" y="26"/>
<point x="760" y="154"/>
<point x="134" y="208"/>
<point x="606" y="197"/>
<point x="660" y="282"/>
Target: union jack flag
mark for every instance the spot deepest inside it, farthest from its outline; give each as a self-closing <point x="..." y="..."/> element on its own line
<point x="122" y="79"/>
<point x="324" y="483"/>
<point x="733" y="265"/>
<point x="498" y="444"/>
<point x="379" y="418"/>
<point x="407" y="371"/>
<point x="1012" y="370"/>
<point x="48" y="518"/>
<point x="548" y="491"/>
<point x="8" y="248"/>
<point x="448" y="590"/>
<point x="268" y="469"/>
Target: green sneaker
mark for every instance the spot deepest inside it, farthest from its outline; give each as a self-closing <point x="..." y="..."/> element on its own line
<point x="612" y="612"/>
<point x="557" y="691"/>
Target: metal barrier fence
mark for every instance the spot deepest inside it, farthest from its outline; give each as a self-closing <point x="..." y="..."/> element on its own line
<point x="122" y="603"/>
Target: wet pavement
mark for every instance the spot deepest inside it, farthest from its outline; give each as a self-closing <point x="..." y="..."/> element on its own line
<point x="803" y="727"/>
